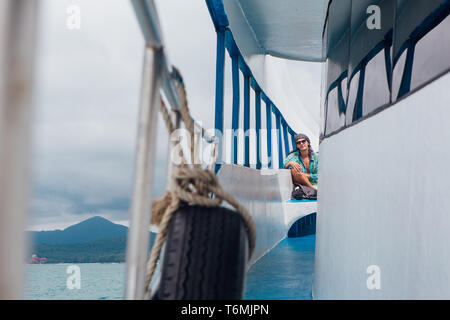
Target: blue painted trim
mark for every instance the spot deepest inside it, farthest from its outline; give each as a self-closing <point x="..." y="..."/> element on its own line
<point x="217" y="13"/>
<point x="298" y="201"/>
<point x="235" y="119"/>
<point x="294" y="146"/>
<point x="388" y="44"/>
<point x="258" y="128"/>
<point x="254" y="84"/>
<point x="280" y="142"/>
<point x="275" y="110"/>
<point x="358" y="111"/>
<point x="286" y="139"/>
<point x="220" y="66"/>
<point x="269" y="133"/>
<point x="230" y="44"/>
<point x="405" y="85"/>
<point x="246" y="121"/>
<point x="244" y="67"/>
<point x="265" y="98"/>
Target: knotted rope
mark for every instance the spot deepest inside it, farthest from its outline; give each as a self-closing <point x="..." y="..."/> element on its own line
<point x="191" y="185"/>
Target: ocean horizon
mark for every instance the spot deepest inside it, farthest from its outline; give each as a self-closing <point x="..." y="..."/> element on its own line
<point x="285" y="273"/>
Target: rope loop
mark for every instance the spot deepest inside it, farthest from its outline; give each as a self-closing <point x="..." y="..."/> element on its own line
<point x="190" y="185"/>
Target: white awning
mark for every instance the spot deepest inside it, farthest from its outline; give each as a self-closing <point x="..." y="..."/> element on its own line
<point x="290" y="29"/>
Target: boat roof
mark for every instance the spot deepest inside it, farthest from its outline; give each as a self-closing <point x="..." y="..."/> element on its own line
<point x="289" y="29"/>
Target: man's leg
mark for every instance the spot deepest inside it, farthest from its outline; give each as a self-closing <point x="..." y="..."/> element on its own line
<point x="301" y="179"/>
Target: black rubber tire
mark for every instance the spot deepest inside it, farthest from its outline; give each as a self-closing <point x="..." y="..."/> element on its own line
<point x="205" y="255"/>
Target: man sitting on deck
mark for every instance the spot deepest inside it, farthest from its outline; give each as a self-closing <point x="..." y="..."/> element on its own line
<point x="303" y="162"/>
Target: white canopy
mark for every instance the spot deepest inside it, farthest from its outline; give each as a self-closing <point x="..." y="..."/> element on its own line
<point x="290" y="29"/>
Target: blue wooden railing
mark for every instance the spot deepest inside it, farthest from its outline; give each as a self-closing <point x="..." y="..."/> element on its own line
<point x="225" y="41"/>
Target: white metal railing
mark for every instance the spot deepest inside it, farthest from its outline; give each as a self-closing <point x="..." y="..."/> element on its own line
<point x="158" y="77"/>
<point x="17" y="38"/>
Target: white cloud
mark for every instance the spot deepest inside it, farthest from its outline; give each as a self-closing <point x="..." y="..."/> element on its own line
<point x="86" y="107"/>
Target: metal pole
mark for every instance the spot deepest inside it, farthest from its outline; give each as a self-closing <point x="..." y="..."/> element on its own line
<point x="214" y="152"/>
<point x="280" y="142"/>
<point x="269" y="133"/>
<point x="176" y="118"/>
<point x="246" y="120"/>
<point x="294" y="146"/>
<point x="286" y="139"/>
<point x="235" y="117"/>
<point x="198" y="147"/>
<point x="220" y="73"/>
<point x="138" y="236"/>
<point x="258" y="127"/>
<point x="18" y="20"/>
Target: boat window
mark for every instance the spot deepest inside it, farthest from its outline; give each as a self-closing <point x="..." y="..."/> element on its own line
<point x="421" y="44"/>
<point x="338" y="40"/>
<point x="370" y="49"/>
<point x="344" y="91"/>
<point x="408" y="50"/>
<point x="397" y="74"/>
<point x="426" y="62"/>
<point x="376" y="85"/>
<point x="352" y="95"/>
<point x="335" y="116"/>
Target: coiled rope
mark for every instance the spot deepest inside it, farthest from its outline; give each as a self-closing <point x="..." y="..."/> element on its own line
<point x="191" y="185"/>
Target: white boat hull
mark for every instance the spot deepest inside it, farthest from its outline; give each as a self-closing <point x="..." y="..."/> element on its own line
<point x="384" y="201"/>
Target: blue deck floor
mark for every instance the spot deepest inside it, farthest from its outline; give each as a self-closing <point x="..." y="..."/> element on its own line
<point x="285" y="273"/>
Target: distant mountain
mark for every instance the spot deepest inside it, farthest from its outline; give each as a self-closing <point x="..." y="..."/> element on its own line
<point x="97" y="251"/>
<point x="93" y="240"/>
<point x="92" y="229"/>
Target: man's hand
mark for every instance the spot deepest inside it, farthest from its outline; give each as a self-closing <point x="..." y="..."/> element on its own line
<point x="296" y="168"/>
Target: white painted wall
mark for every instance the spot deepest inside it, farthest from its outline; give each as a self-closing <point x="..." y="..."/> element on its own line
<point x="384" y="199"/>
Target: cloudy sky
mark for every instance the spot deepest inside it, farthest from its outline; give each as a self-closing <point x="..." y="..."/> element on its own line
<point x="87" y="96"/>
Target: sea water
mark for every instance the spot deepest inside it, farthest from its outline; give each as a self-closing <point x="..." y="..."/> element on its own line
<point x="97" y="281"/>
<point x="285" y="273"/>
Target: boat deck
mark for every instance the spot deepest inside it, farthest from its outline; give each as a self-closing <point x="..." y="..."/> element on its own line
<point x="284" y="273"/>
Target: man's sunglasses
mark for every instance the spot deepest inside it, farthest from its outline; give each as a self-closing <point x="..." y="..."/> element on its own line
<point x="300" y="142"/>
